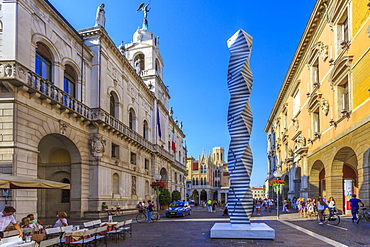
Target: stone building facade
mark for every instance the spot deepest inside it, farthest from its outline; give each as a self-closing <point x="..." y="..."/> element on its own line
<point x="208" y="177"/>
<point x="319" y="128"/>
<point x="74" y="108"/>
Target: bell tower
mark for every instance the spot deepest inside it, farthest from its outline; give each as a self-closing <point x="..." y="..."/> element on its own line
<point x="143" y="54"/>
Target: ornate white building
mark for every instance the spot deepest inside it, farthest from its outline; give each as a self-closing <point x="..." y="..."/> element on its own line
<point x="77" y="109"/>
<point x="208" y="177"/>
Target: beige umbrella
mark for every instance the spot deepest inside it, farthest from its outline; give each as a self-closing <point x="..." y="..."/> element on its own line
<point x="8" y="181"/>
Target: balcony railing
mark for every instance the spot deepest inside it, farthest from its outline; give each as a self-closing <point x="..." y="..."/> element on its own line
<point x="20" y="76"/>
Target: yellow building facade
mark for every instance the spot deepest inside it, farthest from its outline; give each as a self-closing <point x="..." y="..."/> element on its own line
<point x="319" y="127"/>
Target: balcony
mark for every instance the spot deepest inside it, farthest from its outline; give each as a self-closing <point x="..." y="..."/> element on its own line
<point x="25" y="80"/>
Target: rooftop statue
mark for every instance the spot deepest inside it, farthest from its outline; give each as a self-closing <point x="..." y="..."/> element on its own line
<point x="100" y="16"/>
<point x="145" y="9"/>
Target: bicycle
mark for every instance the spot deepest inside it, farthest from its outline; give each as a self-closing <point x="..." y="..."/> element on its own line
<point x="142" y="216"/>
<point x="331" y="218"/>
<point x="363" y="215"/>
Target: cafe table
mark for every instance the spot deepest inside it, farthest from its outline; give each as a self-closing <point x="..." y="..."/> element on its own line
<point x="15" y="242"/>
<point x="73" y="235"/>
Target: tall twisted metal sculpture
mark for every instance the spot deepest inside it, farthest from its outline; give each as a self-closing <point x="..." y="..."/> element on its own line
<point x="240" y="121"/>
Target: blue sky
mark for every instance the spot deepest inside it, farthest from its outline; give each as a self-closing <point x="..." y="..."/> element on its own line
<point x="193" y="35"/>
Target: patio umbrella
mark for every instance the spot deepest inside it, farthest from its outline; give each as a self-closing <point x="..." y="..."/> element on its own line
<point x="8" y="181"/>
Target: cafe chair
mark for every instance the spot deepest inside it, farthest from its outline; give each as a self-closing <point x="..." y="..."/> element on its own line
<point x="10" y="233"/>
<point x="67" y="228"/>
<point x="117" y="231"/>
<point x="89" y="224"/>
<point x="127" y="228"/>
<point x="28" y="231"/>
<point x="101" y="236"/>
<point x="53" y="232"/>
<point x="96" y="223"/>
<point x="54" y="242"/>
<point x="87" y="238"/>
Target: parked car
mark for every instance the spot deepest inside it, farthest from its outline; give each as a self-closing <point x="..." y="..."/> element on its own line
<point x="178" y="208"/>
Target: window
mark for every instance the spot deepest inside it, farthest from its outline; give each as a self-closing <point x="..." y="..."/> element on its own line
<point x="115" y="181"/>
<point x="315" y="75"/>
<point x="316" y="121"/>
<point x="296" y="102"/>
<point x="193" y="181"/>
<point x="175" y="177"/>
<point x="43" y="62"/>
<point x="343" y="88"/>
<point x="133" y="158"/>
<point x="146" y="164"/>
<point x="147" y="187"/>
<point x="132" y="120"/>
<point x="70" y="79"/>
<point x="115" y="151"/>
<point x="196" y="181"/>
<point x="145" y="130"/>
<point x="112" y="105"/>
<point x="66" y="194"/>
<point x="344" y="30"/>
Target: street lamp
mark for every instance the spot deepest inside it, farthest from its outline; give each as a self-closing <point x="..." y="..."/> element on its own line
<point x="157" y="177"/>
<point x="277" y="189"/>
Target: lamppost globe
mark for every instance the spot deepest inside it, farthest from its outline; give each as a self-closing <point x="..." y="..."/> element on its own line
<point x="278" y="174"/>
<point x="157" y="177"/>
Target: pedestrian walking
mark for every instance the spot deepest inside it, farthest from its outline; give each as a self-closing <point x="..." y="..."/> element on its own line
<point x="259" y="206"/>
<point x="209" y="206"/>
<point x="6" y="218"/>
<point x="354" y="205"/>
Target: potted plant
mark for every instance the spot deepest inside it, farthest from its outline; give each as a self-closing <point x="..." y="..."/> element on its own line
<point x="165" y="199"/>
<point x="176" y="195"/>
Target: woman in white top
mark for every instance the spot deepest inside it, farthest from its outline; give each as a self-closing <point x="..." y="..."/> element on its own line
<point x="321" y="205"/>
<point x="331" y="203"/>
<point x="62" y="221"/>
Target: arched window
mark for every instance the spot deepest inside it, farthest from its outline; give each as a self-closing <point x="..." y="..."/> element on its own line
<point x="139" y="63"/>
<point x="112" y="105"/>
<point x="43" y="65"/>
<point x="147" y="187"/>
<point x="132" y="120"/>
<point x="115" y="181"/>
<point x="66" y="194"/>
<point x="70" y="79"/>
<point x="145" y="130"/>
<point x="204" y="169"/>
<point x="196" y="181"/>
<point x="193" y="181"/>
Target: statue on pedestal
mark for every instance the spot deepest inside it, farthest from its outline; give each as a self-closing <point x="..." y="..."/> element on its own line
<point x="100" y="16"/>
<point x="145" y="9"/>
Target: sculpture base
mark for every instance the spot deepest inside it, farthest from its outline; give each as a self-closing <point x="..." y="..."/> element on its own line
<point x="248" y="231"/>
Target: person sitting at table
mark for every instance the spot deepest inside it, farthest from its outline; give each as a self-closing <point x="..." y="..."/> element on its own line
<point x="33" y="219"/>
<point x="7" y="217"/>
<point x="62" y="221"/>
<point x="104" y="207"/>
<point x="26" y="223"/>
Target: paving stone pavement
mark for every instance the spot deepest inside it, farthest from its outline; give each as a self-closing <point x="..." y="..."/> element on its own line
<point x="194" y="230"/>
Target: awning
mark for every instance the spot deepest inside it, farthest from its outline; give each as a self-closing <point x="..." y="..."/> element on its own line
<point x="8" y="181"/>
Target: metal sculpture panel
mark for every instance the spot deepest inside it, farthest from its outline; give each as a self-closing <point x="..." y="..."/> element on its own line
<point x="240" y="120"/>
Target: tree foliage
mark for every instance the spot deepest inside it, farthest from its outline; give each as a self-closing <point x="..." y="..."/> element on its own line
<point x="176" y="195"/>
<point x="165" y="197"/>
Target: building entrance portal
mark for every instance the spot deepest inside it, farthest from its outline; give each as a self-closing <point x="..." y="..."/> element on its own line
<point x="56" y="154"/>
<point x="203" y="195"/>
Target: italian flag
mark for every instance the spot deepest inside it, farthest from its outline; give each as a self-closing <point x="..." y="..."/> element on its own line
<point x="173" y="139"/>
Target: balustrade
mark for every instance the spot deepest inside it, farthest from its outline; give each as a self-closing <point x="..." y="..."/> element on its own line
<point x="15" y="72"/>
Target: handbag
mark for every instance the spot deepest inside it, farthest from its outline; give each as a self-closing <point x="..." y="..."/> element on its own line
<point x="38" y="237"/>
